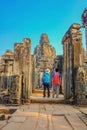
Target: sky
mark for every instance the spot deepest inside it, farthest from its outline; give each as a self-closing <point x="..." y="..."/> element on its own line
<point x="30" y="18"/>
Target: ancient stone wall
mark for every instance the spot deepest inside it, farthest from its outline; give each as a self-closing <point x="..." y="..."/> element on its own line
<point x="17" y="72"/>
<point x="6" y="63"/>
<point x="73" y="58"/>
<point x="81" y="85"/>
<point x="10" y="88"/>
<point x="23" y="67"/>
<point x="58" y="62"/>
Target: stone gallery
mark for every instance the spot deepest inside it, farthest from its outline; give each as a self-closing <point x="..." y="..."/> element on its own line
<point x="21" y="72"/>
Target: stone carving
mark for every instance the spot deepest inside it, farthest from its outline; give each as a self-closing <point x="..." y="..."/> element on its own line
<point x="27" y="45"/>
<point x="44" y="39"/>
<point x="45" y="55"/>
<point x="17" y="50"/>
<point x="13" y="90"/>
<point x="80" y="85"/>
<point x="6" y="64"/>
<point x="11" y="85"/>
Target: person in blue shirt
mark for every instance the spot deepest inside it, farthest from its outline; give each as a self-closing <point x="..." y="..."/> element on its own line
<point x="46" y="82"/>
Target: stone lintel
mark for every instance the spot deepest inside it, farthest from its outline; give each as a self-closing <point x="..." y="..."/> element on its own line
<point x="44" y="39"/>
<point x="74" y="29"/>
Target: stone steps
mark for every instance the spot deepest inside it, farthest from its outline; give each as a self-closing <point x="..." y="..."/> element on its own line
<point x="49" y="101"/>
<point x="37" y="97"/>
<point x="40" y="91"/>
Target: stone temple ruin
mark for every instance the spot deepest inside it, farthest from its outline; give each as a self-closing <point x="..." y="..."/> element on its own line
<point x="21" y="72"/>
<point x="74" y="68"/>
<point x="16" y="72"/>
<point x="44" y="57"/>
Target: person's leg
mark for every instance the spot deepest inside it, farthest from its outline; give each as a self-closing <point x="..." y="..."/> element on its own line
<point x="44" y="92"/>
<point x="57" y="91"/>
<point x="54" y="91"/>
<point x="48" y="89"/>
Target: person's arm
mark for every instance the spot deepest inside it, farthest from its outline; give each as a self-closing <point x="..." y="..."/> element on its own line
<point x="60" y="79"/>
<point x="52" y="77"/>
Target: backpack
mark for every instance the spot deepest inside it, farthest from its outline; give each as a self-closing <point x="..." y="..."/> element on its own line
<point x="56" y="78"/>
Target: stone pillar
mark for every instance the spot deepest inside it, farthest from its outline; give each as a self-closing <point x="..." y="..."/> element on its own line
<point x="33" y="65"/>
<point x="27" y="65"/>
<point x="64" y="71"/>
<point x="71" y="68"/>
<point x="23" y="67"/>
<point x="18" y="47"/>
<point x="72" y="44"/>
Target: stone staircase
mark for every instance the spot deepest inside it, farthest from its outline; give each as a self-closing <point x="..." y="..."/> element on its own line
<point x="37" y="97"/>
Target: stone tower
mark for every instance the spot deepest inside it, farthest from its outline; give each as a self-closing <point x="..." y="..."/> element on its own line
<point x="45" y="54"/>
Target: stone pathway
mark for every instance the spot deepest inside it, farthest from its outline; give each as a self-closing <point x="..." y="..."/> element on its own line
<point x="46" y="117"/>
<point x="37" y="97"/>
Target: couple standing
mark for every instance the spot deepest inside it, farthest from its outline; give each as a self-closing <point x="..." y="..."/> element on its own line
<point x="46" y="79"/>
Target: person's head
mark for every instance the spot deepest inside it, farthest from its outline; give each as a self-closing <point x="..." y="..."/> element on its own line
<point x="56" y="69"/>
<point x="47" y="70"/>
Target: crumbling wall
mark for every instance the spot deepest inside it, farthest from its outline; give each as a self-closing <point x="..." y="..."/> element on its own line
<point x="6" y="63"/>
<point x="23" y="67"/>
<point x="9" y="91"/>
<point x="81" y="85"/>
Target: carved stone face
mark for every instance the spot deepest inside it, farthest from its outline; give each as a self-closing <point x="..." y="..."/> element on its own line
<point x="44" y="39"/>
<point x="27" y="42"/>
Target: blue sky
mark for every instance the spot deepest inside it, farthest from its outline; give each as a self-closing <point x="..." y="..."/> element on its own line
<point x="30" y="18"/>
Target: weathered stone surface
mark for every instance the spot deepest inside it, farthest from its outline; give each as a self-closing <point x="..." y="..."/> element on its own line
<point x="2" y="117"/>
<point x="2" y="124"/>
<point x="46" y="117"/>
<point x="58" y="62"/>
<point x="45" y="55"/>
<point x="16" y="72"/>
<point x="23" y="67"/>
<point x="17" y="119"/>
<point x="6" y="63"/>
<point x="4" y="110"/>
<point x="81" y="86"/>
<point x="73" y="57"/>
<point x="74" y="69"/>
<point x="10" y="88"/>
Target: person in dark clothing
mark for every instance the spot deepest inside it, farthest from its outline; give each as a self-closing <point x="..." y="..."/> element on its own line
<point x="46" y="82"/>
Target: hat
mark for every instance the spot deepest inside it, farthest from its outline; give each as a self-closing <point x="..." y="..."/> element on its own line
<point x="47" y="70"/>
